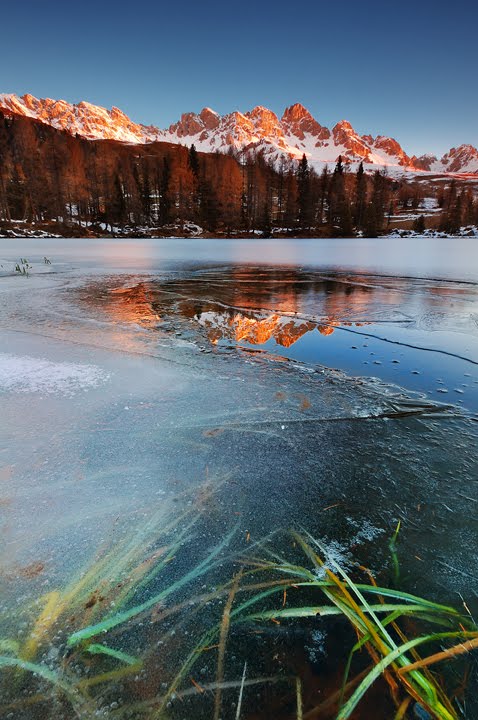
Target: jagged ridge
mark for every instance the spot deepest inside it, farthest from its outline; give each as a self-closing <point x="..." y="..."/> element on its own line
<point x="295" y="133"/>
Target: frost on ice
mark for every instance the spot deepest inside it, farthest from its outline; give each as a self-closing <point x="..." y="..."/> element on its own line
<point x="22" y="373"/>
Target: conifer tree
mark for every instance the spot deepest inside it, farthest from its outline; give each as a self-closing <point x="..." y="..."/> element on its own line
<point x="455" y="217"/>
<point x="419" y="224"/>
<point x="375" y="212"/>
<point x="304" y="210"/>
<point x="338" y="212"/>
<point x="323" y="193"/>
<point x="360" y="197"/>
<point x="193" y="160"/>
<point x="266" y="222"/>
<point x="290" y="213"/>
<point x="165" y="198"/>
<point x="448" y="219"/>
<point x="145" y="191"/>
<point x="468" y="207"/>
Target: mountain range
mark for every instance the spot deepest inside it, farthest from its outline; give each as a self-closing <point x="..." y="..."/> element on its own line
<point x="281" y="140"/>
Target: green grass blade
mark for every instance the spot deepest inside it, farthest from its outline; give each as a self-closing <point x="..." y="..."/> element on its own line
<point x="399" y="595"/>
<point x="125" y="615"/>
<point x="43" y="672"/>
<point x="205" y="640"/>
<point x="323" y="610"/>
<point x="351" y="586"/>
<point x="396" y="654"/>
<point x="253" y="600"/>
<point x="393" y="551"/>
<point x="358" y="645"/>
<point x="98" y="649"/>
<point x="386" y="592"/>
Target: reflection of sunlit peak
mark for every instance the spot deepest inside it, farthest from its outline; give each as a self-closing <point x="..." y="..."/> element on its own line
<point x="254" y="330"/>
<point x="132" y="304"/>
<point x="325" y="329"/>
<point x="292" y="331"/>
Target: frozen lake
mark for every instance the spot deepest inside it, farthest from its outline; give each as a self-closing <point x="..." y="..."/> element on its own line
<point x="208" y="387"/>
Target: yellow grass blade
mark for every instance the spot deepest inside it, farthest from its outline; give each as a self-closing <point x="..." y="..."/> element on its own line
<point x="52" y="609"/>
<point x="225" y="624"/>
<point x="460" y="649"/>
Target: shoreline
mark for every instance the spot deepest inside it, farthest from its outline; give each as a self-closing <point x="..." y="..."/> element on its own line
<point x="25" y="231"/>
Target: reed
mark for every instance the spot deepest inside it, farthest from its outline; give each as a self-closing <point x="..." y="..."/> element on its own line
<point x="87" y="625"/>
<point x="95" y="624"/>
<point x="375" y="613"/>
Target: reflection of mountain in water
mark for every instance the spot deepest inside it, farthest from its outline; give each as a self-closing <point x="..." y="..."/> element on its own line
<point x="238" y="326"/>
<point x="131" y="305"/>
<point x="257" y="330"/>
<point x="253" y="305"/>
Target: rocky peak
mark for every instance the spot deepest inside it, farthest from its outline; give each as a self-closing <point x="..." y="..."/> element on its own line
<point x="260" y="112"/>
<point x="29" y="101"/>
<point x="388" y="144"/>
<point x="297" y="132"/>
<point x="83" y="118"/>
<point x="209" y="118"/>
<point x="236" y="121"/>
<point x="189" y="124"/>
<point x="461" y="159"/>
<point x="295" y="113"/>
<point x="424" y="162"/>
<point x="298" y="121"/>
<point x="391" y="147"/>
<point x="118" y="114"/>
<point x="192" y="124"/>
<point x="343" y="126"/>
<point x="352" y="144"/>
<point x="266" y="123"/>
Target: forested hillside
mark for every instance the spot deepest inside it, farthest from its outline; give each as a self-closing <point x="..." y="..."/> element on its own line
<point x="92" y="187"/>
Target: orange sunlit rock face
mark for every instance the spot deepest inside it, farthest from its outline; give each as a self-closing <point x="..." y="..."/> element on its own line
<point x="292" y="331"/>
<point x="297" y="121"/>
<point x="280" y="140"/>
<point x="254" y="330"/>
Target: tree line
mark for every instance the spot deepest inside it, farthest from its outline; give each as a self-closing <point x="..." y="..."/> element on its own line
<point x="47" y="175"/>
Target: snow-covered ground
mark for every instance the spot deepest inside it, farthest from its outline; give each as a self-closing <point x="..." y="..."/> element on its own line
<point x="465" y="231"/>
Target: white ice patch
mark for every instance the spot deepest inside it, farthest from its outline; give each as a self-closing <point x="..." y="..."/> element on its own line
<point x="317" y="647"/>
<point x="337" y="554"/>
<point x="22" y="373"/>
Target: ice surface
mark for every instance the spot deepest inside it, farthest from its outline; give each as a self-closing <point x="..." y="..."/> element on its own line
<point x="145" y="382"/>
<point x="231" y="391"/>
<point x="28" y="374"/>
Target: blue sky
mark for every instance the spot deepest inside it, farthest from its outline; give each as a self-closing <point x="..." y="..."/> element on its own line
<point x="405" y="69"/>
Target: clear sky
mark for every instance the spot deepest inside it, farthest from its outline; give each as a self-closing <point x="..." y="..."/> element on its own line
<point x="405" y="69"/>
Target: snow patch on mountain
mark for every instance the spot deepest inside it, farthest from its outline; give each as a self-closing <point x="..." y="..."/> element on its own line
<point x="89" y="121"/>
<point x="260" y="130"/>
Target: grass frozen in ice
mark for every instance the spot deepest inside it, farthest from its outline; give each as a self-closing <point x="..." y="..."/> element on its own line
<point x="77" y="635"/>
<point x="375" y="614"/>
<point x="89" y="639"/>
<point x="23" y="267"/>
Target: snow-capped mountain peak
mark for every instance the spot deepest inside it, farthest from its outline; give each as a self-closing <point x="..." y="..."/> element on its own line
<point x="299" y="123"/>
<point x="89" y="121"/>
<point x="285" y="139"/>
